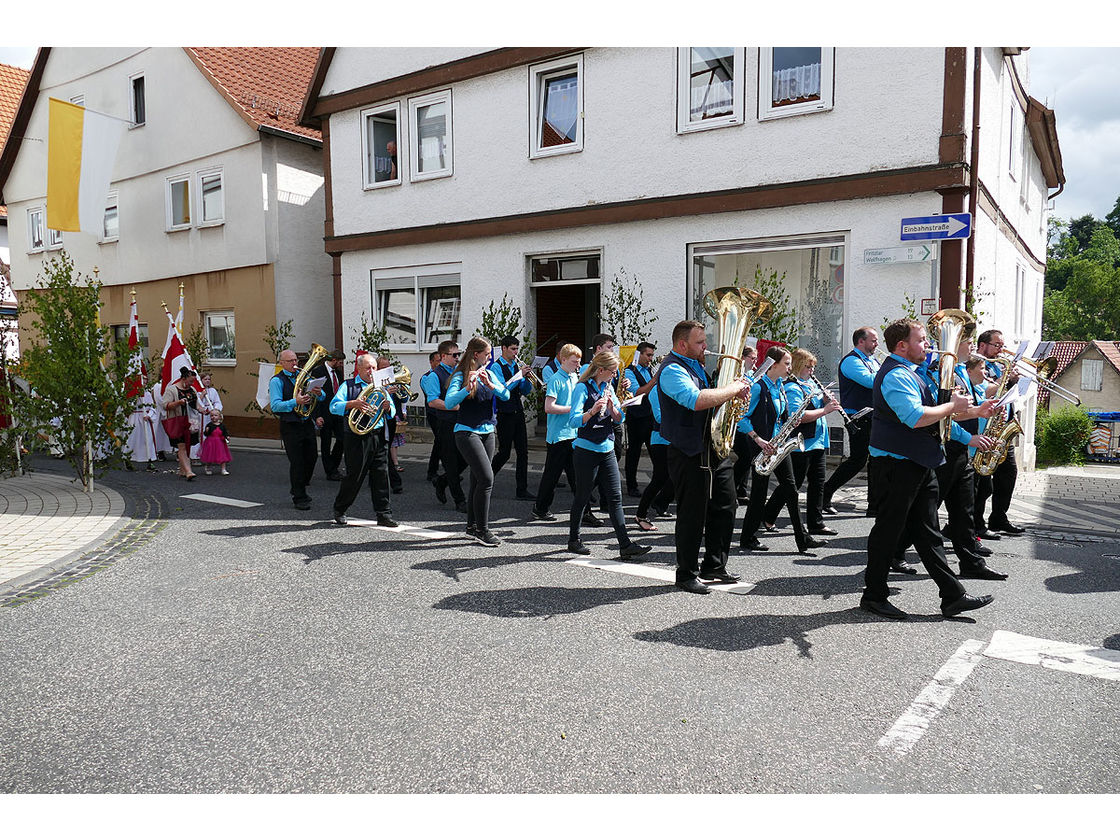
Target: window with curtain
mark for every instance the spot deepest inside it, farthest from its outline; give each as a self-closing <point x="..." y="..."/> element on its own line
<point x="556" y="103"/>
<point x="220" y="335"/>
<point x="794" y="80"/>
<point x="430" y="129"/>
<point x="35" y="241"/>
<point x="111" y="227"/>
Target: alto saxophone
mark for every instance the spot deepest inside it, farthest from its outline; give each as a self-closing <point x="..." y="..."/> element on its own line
<point x="765" y="464"/>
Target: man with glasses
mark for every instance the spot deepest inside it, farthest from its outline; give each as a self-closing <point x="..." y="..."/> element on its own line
<point x="296" y="431"/>
<point x="1000" y="485"/>
<point x="435" y="389"/>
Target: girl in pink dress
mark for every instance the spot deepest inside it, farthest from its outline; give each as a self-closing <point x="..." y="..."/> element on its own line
<point x="215" y="450"/>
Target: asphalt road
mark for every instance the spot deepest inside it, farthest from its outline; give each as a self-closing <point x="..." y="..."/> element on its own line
<point x="265" y="649"/>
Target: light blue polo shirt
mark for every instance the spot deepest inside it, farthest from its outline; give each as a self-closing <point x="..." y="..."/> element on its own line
<point x="796" y="392"/>
<point x="777" y="397"/>
<point x="560" y="389"/>
<point x="904" y="396"/>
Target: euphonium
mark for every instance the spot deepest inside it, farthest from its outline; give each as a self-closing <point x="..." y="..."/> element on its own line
<point x="401" y="383"/>
<point x="362" y="419"/>
<point x="317" y="354"/>
<point x="735" y="311"/>
<point x="951" y="327"/>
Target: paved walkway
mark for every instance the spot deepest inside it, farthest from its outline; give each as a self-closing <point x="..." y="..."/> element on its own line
<point x="46" y="520"/>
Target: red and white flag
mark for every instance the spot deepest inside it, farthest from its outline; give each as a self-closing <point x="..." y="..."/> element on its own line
<point x="175" y="357"/>
<point x="137" y="370"/>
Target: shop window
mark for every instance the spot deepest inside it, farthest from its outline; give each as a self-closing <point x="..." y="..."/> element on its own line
<point x="419" y="307"/>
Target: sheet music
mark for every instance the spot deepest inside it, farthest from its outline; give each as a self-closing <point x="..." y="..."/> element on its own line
<point x="761" y="369"/>
<point x="312" y="384"/>
<point x="539" y="361"/>
<point x="383" y="377"/>
<point x="634" y="401"/>
<point x="513" y="380"/>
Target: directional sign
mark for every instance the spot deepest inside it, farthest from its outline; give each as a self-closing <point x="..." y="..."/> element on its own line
<point x="948" y="226"/>
<point x="885" y="256"/>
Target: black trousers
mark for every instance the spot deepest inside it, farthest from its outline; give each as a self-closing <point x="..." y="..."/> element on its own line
<point x="859" y="437"/>
<point x="956" y="488"/>
<point x="906" y="503"/>
<point x="330" y="441"/>
<point x="557" y="461"/>
<point x="744" y="464"/>
<point x="394" y="477"/>
<point x="512" y="434"/>
<point x="638" y="430"/>
<point x="478" y="452"/>
<point x="659" y="492"/>
<point x="433" y="458"/>
<point x="1000" y="486"/>
<point x="301" y="448"/>
<point x="365" y="456"/>
<point x="785" y="495"/>
<point x="597" y="469"/>
<point x="805" y="465"/>
<point x="450" y="458"/>
<point x="704" y="485"/>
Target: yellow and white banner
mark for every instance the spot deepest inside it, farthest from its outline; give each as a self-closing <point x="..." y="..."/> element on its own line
<point x="81" y="150"/>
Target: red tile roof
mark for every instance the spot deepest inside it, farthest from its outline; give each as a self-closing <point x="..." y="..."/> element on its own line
<point x="1068" y="352"/>
<point x="12" y="82"/>
<point x="266" y="84"/>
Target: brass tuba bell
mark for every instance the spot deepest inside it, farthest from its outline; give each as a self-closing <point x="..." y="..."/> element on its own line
<point x="317" y="354"/>
<point x="949" y="327"/>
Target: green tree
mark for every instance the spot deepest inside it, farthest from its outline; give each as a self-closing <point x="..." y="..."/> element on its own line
<point x="1087" y="308"/>
<point x="625" y="315"/>
<point x="500" y="320"/>
<point x="1082" y="228"/>
<point x="371" y="337"/>
<point x="76" y="398"/>
<point x="785" y="325"/>
<point x="1113" y="219"/>
<point x="1103" y="248"/>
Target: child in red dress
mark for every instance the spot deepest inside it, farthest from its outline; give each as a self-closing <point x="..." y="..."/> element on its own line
<point x="215" y="450"/>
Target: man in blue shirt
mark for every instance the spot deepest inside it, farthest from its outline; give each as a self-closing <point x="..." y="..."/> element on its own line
<point x="429" y="381"/>
<point x="435" y="389"/>
<point x="1000" y="485"/>
<point x="906" y="447"/>
<point x="511" y="417"/>
<point x="856" y="376"/>
<point x="296" y="431"/>
<point x="639" y="418"/>
<point x="704" y="482"/>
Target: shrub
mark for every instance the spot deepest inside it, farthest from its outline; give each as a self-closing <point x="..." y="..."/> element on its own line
<point x="1061" y="435"/>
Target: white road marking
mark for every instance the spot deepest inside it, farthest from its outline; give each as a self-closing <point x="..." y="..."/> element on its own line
<point x="221" y="500"/>
<point x="411" y="530"/>
<point x="933" y="698"/>
<point x="655" y="573"/>
<point x="1060" y="656"/>
<point x="1073" y="513"/>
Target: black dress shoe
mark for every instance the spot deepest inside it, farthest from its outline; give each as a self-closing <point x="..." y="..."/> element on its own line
<point x="486" y="538"/>
<point x="634" y="492"/>
<point x="824" y="530"/>
<point x="964" y="603"/>
<point x="461" y="506"/>
<point x="720" y="577"/>
<point x="387" y="522"/>
<point x="303" y="504"/>
<point x="753" y="545"/>
<point x="634" y="550"/>
<point x="547" y="516"/>
<point x="812" y="543"/>
<point x="525" y="496"/>
<point x="985" y="534"/>
<point x="441" y="489"/>
<point x="903" y="568"/>
<point x="693" y="586"/>
<point x="884" y="608"/>
<point x="982" y="550"/>
<point x="830" y="510"/>
<point x="1007" y="528"/>
<point x="578" y="548"/>
<point x="981" y="573"/>
<point x="339" y="517"/>
<point x="590" y="520"/>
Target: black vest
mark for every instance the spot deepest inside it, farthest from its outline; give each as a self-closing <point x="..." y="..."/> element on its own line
<point x="287" y="392"/>
<point x="684" y="428"/>
<point x="353" y="391"/>
<point x="853" y="396"/>
<point x="971" y="426"/>
<point x="923" y="446"/>
<point x="764" y="417"/>
<point x="643" y="408"/>
<point x="598" y="427"/>
<point x="513" y="404"/>
<point x="444" y="376"/>
<point x="476" y="410"/>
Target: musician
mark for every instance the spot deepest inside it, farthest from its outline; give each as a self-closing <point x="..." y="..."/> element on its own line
<point x="906" y="447"/>
<point x="595" y="412"/>
<point x="431" y="380"/>
<point x="435" y="390"/>
<point x="296" y="432"/>
<point x="742" y="442"/>
<point x="800" y="387"/>
<point x="472" y="389"/>
<point x="767" y="411"/>
<point x="559" y="436"/>
<point x="604" y="342"/>
<point x="855" y="377"/>
<point x="333" y="428"/>
<point x="364" y="455"/>
<point x="704" y="483"/>
<point x="659" y="492"/>
<point x="1002" y="485"/>
<point x="639" y="418"/>
<point x="511" y="416"/>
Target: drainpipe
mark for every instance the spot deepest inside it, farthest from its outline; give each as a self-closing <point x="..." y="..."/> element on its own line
<point x="974" y="182"/>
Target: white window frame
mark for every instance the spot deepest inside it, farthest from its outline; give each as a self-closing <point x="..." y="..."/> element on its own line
<point x="423" y="277"/>
<point x="368" y="182"/>
<point x="171" y="181"/>
<point x="766" y="109"/>
<point x="539" y="74"/>
<point x="685" y="123"/>
<point x="112" y="200"/>
<point x="78" y="99"/>
<point x="566" y="255"/>
<point x="32" y="247"/>
<point x="1092" y="374"/>
<point x="225" y="313"/>
<point x="54" y="239"/>
<point x="209" y="173"/>
<point x="134" y="123"/>
<point x="414" y="105"/>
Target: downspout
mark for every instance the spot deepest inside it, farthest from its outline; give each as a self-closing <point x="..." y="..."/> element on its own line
<point x="974" y="183"/>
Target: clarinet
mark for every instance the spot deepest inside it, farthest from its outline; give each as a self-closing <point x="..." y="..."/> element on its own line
<point x="848" y="421"/>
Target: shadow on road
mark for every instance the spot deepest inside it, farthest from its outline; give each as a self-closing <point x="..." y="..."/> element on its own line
<point x="545" y="601"/>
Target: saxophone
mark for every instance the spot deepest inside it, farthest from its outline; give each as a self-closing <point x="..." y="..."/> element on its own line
<point x="765" y="464"/>
<point x="1004" y="431"/>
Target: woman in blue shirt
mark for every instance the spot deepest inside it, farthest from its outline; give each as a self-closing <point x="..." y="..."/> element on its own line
<point x="595" y="411"/>
<point x="799" y="387"/>
<point x="472" y="388"/>
<point x="557" y="408"/>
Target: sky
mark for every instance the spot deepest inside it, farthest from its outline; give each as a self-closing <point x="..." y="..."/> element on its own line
<point x="1080" y="84"/>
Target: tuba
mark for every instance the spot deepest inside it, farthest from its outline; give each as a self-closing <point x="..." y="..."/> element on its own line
<point x="951" y="327"/>
<point x="735" y="311"/>
<point x="317" y="354"/>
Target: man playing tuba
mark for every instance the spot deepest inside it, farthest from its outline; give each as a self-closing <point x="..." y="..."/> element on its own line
<point x="290" y="403"/>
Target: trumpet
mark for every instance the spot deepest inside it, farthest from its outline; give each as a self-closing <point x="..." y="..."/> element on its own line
<point x="532" y="377"/>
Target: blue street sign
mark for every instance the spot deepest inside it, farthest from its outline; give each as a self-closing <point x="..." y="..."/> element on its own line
<point x="947" y="226"/>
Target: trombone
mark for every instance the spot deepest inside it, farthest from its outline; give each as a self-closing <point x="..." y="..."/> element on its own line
<point x="1040" y="374"/>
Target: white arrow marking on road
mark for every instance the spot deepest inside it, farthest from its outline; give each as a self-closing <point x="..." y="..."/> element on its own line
<point x="933" y="698"/>
<point x="411" y="530"/>
<point x="1059" y="656"/>
<point x="221" y="500"/>
<point x="655" y="573"/>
